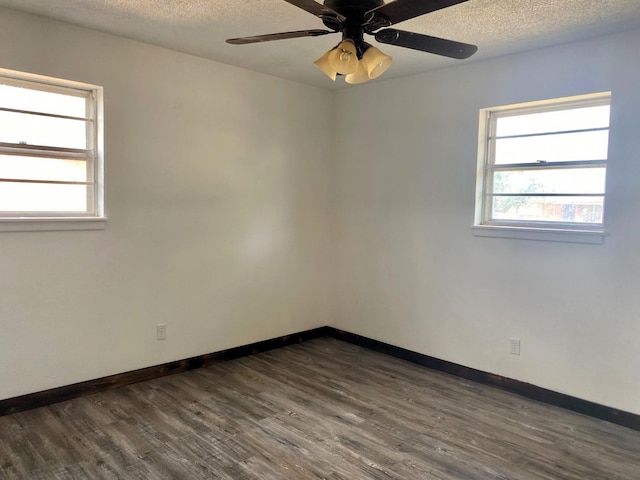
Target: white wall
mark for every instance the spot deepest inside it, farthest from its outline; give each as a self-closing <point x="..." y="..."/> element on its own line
<point x="408" y="269"/>
<point x="216" y="191"/>
<point x="217" y="194"/>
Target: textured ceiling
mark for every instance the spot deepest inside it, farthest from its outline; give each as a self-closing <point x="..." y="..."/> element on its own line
<point x="200" y="27"/>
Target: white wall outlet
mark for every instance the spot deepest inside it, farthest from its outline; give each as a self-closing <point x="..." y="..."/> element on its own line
<point x="515" y="346"/>
<point x="161" y="331"/>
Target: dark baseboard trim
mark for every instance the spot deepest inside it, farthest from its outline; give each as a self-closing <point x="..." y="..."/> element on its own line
<point x="528" y="390"/>
<point x="68" y="392"/>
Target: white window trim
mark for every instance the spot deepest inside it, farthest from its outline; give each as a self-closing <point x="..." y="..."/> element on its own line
<point x="47" y="224"/>
<point x="541" y="234"/>
<point x="66" y="221"/>
<point x="541" y="231"/>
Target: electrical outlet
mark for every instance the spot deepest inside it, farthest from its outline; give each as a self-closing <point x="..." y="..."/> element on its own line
<point x="515" y="346"/>
<point x="161" y="331"/>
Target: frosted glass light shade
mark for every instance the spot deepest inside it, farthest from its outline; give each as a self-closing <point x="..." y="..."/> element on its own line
<point x="344" y="58"/>
<point x="323" y="64"/>
<point x="361" y="75"/>
<point x="377" y="62"/>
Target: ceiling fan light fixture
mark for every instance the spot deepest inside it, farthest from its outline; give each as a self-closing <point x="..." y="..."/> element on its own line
<point x="344" y="58"/>
<point x="377" y="62"/>
<point x="323" y="64"/>
<point x="361" y="75"/>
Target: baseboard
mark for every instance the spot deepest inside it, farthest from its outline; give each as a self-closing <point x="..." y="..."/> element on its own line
<point x="68" y="392"/>
<point x="528" y="390"/>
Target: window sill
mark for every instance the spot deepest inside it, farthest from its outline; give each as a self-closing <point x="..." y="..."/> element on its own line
<point x="43" y="224"/>
<point x="593" y="237"/>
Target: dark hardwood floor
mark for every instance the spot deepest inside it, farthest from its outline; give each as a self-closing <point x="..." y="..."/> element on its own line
<point x="322" y="409"/>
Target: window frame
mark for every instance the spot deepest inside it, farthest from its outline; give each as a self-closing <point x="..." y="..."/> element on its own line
<point x="484" y="225"/>
<point x="93" y="218"/>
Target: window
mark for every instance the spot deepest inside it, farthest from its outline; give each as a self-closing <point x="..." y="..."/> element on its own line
<point x="50" y="153"/>
<point x="542" y="169"/>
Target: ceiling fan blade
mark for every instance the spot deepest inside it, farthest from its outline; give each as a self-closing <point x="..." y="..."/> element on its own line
<point x="401" y="10"/>
<point x="278" y="36"/>
<point x="425" y="43"/>
<point x="317" y="9"/>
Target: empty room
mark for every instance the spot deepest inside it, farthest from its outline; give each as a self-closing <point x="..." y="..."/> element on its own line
<point x="288" y="239"/>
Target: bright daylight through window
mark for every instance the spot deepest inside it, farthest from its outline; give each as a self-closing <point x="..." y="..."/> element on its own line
<point x="50" y="150"/>
<point x="542" y="167"/>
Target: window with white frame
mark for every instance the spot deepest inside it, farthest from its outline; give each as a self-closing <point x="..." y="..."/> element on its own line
<point x="50" y="149"/>
<point x="542" y="166"/>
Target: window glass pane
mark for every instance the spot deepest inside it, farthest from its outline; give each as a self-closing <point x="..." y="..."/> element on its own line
<point x="39" y="197"/>
<point x="37" y="168"/>
<point x="567" y="147"/>
<point x="43" y="131"/>
<point x="549" y="209"/>
<point x="45" y="102"/>
<point x="557" y="121"/>
<point x="558" y="180"/>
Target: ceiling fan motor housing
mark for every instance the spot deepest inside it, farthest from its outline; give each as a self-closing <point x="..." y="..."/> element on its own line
<point x="345" y="7"/>
<point x="353" y="10"/>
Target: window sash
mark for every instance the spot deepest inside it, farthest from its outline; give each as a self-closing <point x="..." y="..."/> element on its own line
<point x="44" y="114"/>
<point x="554" y="132"/>
<point x="22" y="150"/>
<point x="544" y="165"/>
<point x="595" y="100"/>
<point x="490" y="168"/>
<point x="90" y="155"/>
<point x="77" y="190"/>
<point x="45" y="84"/>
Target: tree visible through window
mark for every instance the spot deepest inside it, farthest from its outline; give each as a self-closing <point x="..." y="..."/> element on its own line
<point x="544" y="164"/>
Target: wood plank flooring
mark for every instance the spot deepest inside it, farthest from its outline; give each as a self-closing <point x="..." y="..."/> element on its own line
<point x="322" y="409"/>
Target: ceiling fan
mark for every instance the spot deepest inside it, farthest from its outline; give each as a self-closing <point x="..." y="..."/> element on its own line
<point x="353" y="57"/>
